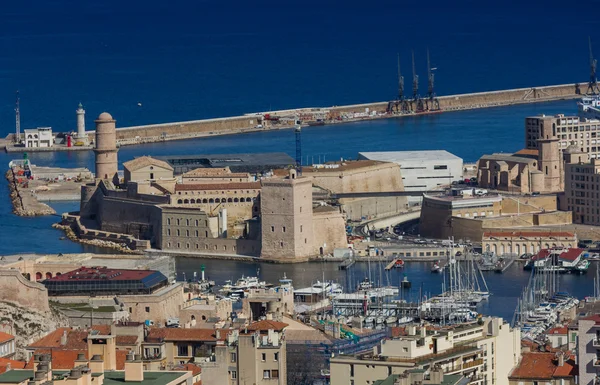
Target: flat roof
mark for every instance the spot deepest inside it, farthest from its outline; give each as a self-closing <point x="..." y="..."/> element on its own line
<point x="410" y="156"/>
<point x="224" y="160"/>
<point x="104" y="274"/>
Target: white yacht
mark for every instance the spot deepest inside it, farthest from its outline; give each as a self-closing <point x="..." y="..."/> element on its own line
<point x="589" y="107"/>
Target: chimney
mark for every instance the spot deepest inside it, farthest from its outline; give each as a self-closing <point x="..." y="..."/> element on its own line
<point x="218" y="334"/>
<point x="437" y="375"/>
<point x="561" y="358"/>
<point x="134" y="368"/>
<point x="63" y="338"/>
<point x="97" y="364"/>
<point x="81" y="360"/>
<point x="423" y="331"/>
<point x="411" y="330"/>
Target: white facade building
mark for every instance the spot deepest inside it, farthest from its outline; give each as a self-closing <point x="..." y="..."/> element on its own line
<point x="422" y="170"/>
<point x="39" y="137"/>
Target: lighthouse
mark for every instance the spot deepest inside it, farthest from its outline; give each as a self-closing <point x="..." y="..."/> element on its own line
<point x="82" y="138"/>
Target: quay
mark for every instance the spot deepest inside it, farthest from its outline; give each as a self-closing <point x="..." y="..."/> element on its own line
<point x="286" y="119"/>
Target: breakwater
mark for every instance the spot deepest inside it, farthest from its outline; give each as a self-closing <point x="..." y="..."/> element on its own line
<point x="277" y="120"/>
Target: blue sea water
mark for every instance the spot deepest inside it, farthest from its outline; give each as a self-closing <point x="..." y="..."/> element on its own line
<point x="198" y="59"/>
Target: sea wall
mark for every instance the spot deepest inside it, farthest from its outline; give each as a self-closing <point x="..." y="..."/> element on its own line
<point x="251" y="123"/>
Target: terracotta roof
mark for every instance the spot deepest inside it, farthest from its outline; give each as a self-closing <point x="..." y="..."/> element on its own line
<point x="126" y="340"/>
<point x="76" y="339"/>
<point x="542" y="366"/>
<point x="179" y="334"/>
<point x="527" y="151"/>
<point x="594" y="317"/>
<point x="205" y="171"/>
<point x="5" y="363"/>
<point x="5" y="337"/>
<point x="558" y="330"/>
<point x="63" y="359"/>
<point x="144" y="161"/>
<point x="195" y="369"/>
<point x="265" y="325"/>
<point x="571" y="254"/>
<point x="218" y="186"/>
<point x="527" y="234"/>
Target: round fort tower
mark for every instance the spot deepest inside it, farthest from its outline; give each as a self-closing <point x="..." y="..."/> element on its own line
<point x="106" y="147"/>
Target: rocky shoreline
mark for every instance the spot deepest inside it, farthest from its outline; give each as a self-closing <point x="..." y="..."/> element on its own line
<point x="20" y="204"/>
<point x="69" y="233"/>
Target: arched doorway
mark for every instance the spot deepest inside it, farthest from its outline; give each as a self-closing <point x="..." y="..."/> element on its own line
<point x="38" y="276"/>
<point x="48" y="275"/>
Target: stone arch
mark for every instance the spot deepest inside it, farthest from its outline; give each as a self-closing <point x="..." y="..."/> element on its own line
<point x="186" y="201"/>
<point x="487" y="248"/>
<point x="192" y="201"/>
<point x="236" y="200"/>
<point x="518" y="249"/>
<point x="48" y="275"/>
<point x="495" y="248"/>
<point x="217" y="200"/>
<point x="203" y="318"/>
<point x="204" y="200"/>
<point x="179" y="201"/>
<point x="58" y="274"/>
<point x="193" y="317"/>
<point x="38" y="276"/>
<point x="229" y="200"/>
<point x="211" y="200"/>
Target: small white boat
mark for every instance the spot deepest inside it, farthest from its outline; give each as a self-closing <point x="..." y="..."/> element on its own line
<point x="379" y="320"/>
<point x="391" y="320"/>
<point x="369" y="320"/>
<point x="405" y="320"/>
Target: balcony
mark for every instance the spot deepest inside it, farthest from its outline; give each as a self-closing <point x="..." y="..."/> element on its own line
<point x="597" y="362"/>
<point x="473" y="363"/>
<point x="596" y="342"/>
<point x="476" y="379"/>
<point x="153" y="357"/>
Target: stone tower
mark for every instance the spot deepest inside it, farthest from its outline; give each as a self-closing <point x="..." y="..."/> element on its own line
<point x="81" y="135"/>
<point x="287" y="218"/>
<point x="106" y="147"/>
<point x="550" y="159"/>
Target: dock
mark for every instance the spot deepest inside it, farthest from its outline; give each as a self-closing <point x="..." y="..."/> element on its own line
<point x="346" y="264"/>
<point x="391" y="265"/>
<point x="502" y="268"/>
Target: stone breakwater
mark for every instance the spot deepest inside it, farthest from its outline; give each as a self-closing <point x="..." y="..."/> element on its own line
<point x="120" y="247"/>
<point x="24" y="203"/>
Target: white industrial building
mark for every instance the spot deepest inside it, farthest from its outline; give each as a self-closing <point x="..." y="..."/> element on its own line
<point x="422" y="170"/>
<point x="39" y="137"/>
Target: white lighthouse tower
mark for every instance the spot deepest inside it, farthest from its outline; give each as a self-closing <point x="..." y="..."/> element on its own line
<point x="81" y="135"/>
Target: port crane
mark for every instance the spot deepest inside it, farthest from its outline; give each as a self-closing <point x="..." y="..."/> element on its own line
<point x="416" y="102"/>
<point x="593" y="88"/>
<point x="432" y="101"/>
<point x="17" y="120"/>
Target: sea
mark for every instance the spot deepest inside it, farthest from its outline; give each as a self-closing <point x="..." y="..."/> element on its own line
<point x="155" y="61"/>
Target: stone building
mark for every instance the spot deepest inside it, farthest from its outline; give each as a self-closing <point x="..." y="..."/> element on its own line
<point x="106" y="148"/>
<point x="482" y="352"/>
<point x="146" y="168"/>
<point x="582" y="186"/>
<point x="520" y="242"/>
<point x="588" y="349"/>
<point x="215" y="175"/>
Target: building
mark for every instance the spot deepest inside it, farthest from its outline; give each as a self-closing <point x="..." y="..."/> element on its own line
<point x="566" y="130"/>
<point x="422" y="170"/>
<point x="39" y="137"/>
<point x="102" y="281"/>
<point x="548" y="368"/>
<point x="582" y="181"/>
<point x="7" y="345"/>
<point x="419" y="377"/>
<point x="588" y="349"/>
<point x="257" y="163"/>
<point x="517" y="243"/>
<point x="558" y="336"/>
<point x="468" y="217"/>
<point x="106" y="148"/>
<point x="146" y="168"/>
<point x="361" y="176"/>
<point x="483" y="352"/>
<point x="81" y="138"/>
<point x="215" y="175"/>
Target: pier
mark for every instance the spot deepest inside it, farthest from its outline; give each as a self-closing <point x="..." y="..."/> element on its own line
<point x="392" y="264"/>
<point x="286" y="119"/>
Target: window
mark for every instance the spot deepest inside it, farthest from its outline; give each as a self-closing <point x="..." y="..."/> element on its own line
<point x="182" y="350"/>
<point x="187" y="233"/>
<point x="233" y="375"/>
<point x="169" y="232"/>
<point x="300" y="228"/>
<point x="151" y="175"/>
<point x="233" y="357"/>
<point x="147" y="309"/>
<point x="168" y="221"/>
<point x="272" y="229"/>
<point x="263" y="357"/>
<point x="283" y="228"/>
<point x="177" y="232"/>
<point x="275" y="356"/>
<point x="266" y="374"/>
<point x="274" y="373"/>
<point x="351" y="370"/>
<point x="440" y="167"/>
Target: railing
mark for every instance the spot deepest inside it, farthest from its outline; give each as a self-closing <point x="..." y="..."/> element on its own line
<point x="153" y="356"/>
<point x="473" y="363"/>
<point x="597" y="362"/>
<point x="596" y="342"/>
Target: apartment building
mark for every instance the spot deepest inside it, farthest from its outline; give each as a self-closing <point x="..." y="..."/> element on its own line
<point x="484" y="352"/>
<point x="544" y="368"/>
<point x="582" y="186"/>
<point x="588" y="350"/>
<point x="569" y="130"/>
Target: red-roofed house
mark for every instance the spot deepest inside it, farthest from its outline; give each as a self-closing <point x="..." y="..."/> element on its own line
<point x="558" y="336"/>
<point x="196" y="372"/>
<point x="7" y="364"/>
<point x="537" y="368"/>
<point x="7" y="345"/>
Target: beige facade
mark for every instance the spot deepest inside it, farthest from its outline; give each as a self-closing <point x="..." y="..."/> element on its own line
<point x="18" y="290"/>
<point x="582" y="187"/>
<point x="146" y="168"/>
<point x="287" y="218"/>
<point x="215" y="175"/>
<point x="516" y="243"/>
<point x="484" y="353"/>
<point x="197" y="312"/>
<point x="158" y="307"/>
<point x="106" y="147"/>
<point x="262" y="302"/>
<point x="567" y="130"/>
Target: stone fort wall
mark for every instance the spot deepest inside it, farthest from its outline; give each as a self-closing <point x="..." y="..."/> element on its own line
<point x="16" y="289"/>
